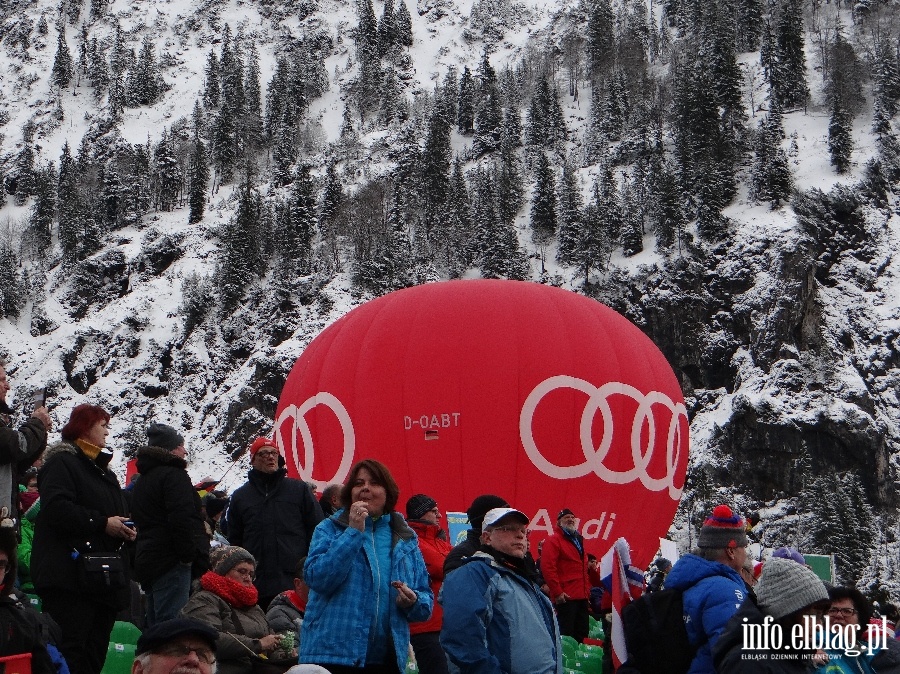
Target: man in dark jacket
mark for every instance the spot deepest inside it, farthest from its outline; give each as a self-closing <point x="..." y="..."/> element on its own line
<point x="18" y="448"/>
<point x="172" y="546"/>
<point x="472" y="543"/>
<point x="273" y="517"/>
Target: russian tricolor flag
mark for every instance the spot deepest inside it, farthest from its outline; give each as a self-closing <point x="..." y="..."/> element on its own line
<point x="625" y="583"/>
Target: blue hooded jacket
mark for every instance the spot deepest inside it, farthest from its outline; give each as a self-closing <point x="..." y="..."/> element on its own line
<point x="497" y="621"/>
<point x="712" y="593"/>
<point x="344" y="599"/>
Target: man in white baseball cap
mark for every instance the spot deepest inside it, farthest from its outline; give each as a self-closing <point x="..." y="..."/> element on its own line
<point x="495" y="617"/>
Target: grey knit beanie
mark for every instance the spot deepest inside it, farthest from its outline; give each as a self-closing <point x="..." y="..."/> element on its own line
<point x="786" y="586"/>
<point x="225" y="557"/>
<point x="166" y="437"/>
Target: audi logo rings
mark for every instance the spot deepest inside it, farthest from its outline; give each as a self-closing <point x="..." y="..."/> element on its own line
<point x="598" y="401"/>
<point x="300" y="425"/>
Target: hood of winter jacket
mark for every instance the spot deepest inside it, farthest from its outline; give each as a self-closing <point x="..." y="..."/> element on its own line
<point x="427" y="530"/>
<point x="691" y="569"/>
<point x="149" y="458"/>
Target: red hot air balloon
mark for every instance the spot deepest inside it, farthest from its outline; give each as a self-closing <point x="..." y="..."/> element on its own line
<point x="539" y="395"/>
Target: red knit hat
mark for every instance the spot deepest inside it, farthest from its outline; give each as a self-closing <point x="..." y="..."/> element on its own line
<point x="259" y="443"/>
<point x="723" y="529"/>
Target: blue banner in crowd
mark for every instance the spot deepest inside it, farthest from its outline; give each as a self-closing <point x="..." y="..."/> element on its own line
<point x="457" y="526"/>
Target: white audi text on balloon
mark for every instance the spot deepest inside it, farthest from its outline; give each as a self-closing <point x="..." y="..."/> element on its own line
<point x="598" y="401"/>
<point x="298" y="425"/>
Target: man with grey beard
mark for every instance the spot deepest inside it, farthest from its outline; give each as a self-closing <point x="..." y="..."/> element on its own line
<point x="564" y="563"/>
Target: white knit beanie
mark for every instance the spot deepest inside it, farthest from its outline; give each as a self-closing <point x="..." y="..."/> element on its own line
<point x="786" y="586"/>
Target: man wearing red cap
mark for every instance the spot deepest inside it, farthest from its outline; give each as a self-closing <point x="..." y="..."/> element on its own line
<point x="273" y="517"/>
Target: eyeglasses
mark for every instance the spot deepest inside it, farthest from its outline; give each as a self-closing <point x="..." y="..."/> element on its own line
<point x="512" y="529"/>
<point x="846" y="612"/>
<point x="246" y="573"/>
<point x="204" y="654"/>
<point x="266" y="455"/>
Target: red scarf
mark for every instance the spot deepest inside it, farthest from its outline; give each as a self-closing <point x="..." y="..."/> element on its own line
<point x="230" y="590"/>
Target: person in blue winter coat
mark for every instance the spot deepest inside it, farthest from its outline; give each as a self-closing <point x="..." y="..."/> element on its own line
<point x="711" y="583"/>
<point x="496" y="619"/>
<point x="367" y="580"/>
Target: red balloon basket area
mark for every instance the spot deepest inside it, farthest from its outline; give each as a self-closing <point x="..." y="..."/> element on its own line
<point x="544" y="397"/>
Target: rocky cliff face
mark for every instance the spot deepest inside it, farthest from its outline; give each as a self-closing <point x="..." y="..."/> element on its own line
<point x="782" y="347"/>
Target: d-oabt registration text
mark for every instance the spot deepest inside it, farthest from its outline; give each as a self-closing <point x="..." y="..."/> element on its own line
<point x="432" y="421"/>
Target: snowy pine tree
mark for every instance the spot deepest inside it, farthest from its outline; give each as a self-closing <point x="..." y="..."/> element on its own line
<point x="68" y="201"/>
<point x="237" y="250"/>
<point x="600" y="38"/>
<point x="509" y="172"/>
<point x="332" y="197"/>
<point x="403" y="25"/>
<point x="787" y="75"/>
<point x="465" y="118"/>
<point x="436" y="158"/>
<point x="669" y="219"/>
<point x="251" y="127"/>
<point x="496" y="247"/>
<point x="12" y="292"/>
<point x="840" y="139"/>
<point x="198" y="174"/>
<point x="887" y="79"/>
<point x="391" y="263"/>
<point x="61" y="74"/>
<point x="543" y="201"/>
<point x="144" y="83"/>
<point x="387" y="29"/>
<point x="770" y="174"/>
<point x="166" y="174"/>
<point x="569" y="216"/>
<point x="295" y="244"/>
<point x="457" y="253"/>
<point x="43" y="210"/>
<point x="592" y="246"/>
<point x="488" y="122"/>
<point x="224" y="139"/>
<point x="211" y="88"/>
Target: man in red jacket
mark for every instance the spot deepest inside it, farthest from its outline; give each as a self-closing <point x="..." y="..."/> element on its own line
<point x="564" y="563"/>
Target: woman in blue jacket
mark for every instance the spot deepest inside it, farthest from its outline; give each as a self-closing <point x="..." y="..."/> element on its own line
<point x="367" y="580"/>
